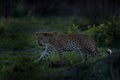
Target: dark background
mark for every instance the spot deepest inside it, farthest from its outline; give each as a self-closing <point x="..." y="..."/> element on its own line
<point x="87" y="8"/>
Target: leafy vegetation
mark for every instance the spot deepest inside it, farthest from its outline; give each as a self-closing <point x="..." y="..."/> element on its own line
<point x="107" y="33"/>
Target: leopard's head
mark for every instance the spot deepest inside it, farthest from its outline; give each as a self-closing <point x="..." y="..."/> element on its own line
<point x="44" y="37"/>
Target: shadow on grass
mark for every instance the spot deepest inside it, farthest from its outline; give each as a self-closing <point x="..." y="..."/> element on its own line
<point x="22" y="67"/>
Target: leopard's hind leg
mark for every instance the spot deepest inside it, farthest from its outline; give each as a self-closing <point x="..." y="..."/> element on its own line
<point x="84" y="55"/>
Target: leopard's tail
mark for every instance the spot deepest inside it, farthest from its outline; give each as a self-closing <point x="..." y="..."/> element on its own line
<point x="109" y="51"/>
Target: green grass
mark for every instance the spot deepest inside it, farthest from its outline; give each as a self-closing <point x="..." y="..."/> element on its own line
<point x="17" y="39"/>
<point x="16" y="65"/>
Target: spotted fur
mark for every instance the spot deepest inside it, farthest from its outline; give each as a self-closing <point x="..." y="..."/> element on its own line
<point x="65" y="43"/>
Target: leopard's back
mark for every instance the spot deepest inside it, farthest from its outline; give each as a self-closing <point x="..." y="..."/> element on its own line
<point x="83" y="42"/>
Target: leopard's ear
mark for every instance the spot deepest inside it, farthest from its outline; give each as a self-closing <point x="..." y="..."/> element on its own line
<point x="46" y="34"/>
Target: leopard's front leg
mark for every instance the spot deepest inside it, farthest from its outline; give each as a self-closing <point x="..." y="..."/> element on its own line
<point x="42" y="57"/>
<point x="49" y="49"/>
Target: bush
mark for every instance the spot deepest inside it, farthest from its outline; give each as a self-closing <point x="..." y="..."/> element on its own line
<point x="72" y="29"/>
<point x="106" y="34"/>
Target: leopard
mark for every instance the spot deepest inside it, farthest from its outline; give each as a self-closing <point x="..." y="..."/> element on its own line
<point x="62" y="43"/>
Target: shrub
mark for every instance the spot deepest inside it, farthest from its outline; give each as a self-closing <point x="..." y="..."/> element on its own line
<point x="72" y="29"/>
<point x="106" y="34"/>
